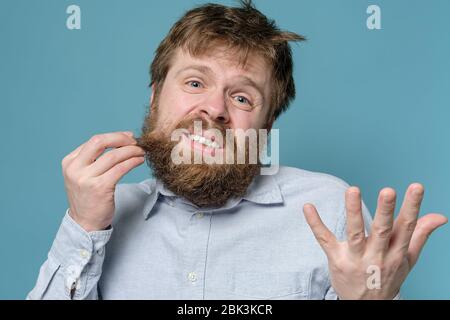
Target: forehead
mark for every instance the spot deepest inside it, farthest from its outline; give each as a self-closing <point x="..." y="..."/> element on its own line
<point x="225" y="63"/>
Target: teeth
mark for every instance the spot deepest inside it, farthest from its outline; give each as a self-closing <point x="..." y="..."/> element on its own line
<point x="215" y="145"/>
<point x="204" y="141"/>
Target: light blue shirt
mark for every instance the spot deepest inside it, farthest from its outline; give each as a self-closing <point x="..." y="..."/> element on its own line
<point x="163" y="247"/>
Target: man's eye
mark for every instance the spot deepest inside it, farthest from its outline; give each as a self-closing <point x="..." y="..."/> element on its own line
<point x="242" y="100"/>
<point x="194" y="84"/>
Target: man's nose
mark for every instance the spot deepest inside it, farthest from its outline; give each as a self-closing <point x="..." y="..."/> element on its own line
<point x="215" y="108"/>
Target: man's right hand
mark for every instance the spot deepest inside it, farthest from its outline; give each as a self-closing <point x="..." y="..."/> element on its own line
<point x="90" y="182"/>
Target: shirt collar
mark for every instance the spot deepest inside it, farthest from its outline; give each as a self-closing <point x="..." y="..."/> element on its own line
<point x="262" y="190"/>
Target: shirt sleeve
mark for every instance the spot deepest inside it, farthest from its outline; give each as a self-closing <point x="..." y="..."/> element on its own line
<point x="74" y="264"/>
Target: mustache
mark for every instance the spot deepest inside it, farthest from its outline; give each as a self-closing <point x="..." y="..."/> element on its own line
<point x="188" y="124"/>
<point x="207" y="124"/>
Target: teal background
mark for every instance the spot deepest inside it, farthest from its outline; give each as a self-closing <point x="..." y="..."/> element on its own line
<point x="372" y="108"/>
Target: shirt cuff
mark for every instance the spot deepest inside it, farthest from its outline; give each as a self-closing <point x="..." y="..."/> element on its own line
<point x="79" y="253"/>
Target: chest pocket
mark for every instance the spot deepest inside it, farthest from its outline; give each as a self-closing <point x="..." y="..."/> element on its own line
<point x="268" y="285"/>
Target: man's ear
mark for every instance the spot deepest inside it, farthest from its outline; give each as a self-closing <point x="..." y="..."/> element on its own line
<point x="152" y="96"/>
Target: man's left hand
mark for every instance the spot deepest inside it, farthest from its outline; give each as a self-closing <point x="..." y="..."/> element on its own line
<point x="391" y="249"/>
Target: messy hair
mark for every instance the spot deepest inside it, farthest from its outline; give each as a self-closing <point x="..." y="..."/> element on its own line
<point x="243" y="29"/>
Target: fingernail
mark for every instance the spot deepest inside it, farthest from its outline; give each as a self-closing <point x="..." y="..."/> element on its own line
<point x="129" y="133"/>
<point x="388" y="200"/>
<point x="417" y="191"/>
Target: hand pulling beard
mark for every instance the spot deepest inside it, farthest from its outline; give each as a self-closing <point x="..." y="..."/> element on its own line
<point x="204" y="185"/>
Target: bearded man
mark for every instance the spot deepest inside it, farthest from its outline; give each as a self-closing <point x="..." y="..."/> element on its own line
<point x="221" y="229"/>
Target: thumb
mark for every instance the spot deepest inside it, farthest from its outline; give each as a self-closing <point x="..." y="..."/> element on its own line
<point x="424" y="228"/>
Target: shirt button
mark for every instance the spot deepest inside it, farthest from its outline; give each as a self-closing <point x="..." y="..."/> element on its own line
<point x="199" y="215"/>
<point x="192" y="276"/>
<point x="84" y="254"/>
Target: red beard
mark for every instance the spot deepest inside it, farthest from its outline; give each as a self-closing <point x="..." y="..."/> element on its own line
<point x="205" y="185"/>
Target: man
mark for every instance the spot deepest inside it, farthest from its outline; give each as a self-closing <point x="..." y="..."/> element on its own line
<point x="222" y="230"/>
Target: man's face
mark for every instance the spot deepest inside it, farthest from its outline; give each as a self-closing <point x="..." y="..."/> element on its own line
<point x="224" y="96"/>
<point x="215" y="87"/>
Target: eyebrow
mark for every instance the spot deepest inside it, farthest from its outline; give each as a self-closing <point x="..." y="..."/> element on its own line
<point x="208" y="71"/>
<point x="203" y="69"/>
